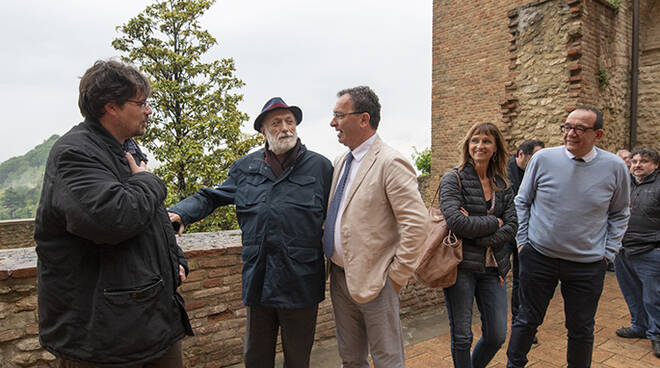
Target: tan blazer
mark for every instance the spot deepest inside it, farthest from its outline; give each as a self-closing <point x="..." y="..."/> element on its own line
<point x="384" y="223"/>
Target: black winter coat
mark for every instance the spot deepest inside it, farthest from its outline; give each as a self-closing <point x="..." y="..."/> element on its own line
<point x="108" y="262"/>
<point x="643" y="233"/>
<point x="281" y="222"/>
<point x="479" y="230"/>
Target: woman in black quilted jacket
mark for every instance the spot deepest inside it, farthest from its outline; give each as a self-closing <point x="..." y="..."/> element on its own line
<point x="480" y="210"/>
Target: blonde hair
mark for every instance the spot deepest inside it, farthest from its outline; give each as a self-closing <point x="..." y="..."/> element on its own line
<point x="497" y="163"/>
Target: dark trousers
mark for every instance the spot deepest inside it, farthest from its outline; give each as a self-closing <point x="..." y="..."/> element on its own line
<point x="297" y="325"/>
<point x="581" y="287"/>
<point x="515" y="283"/>
<point x="173" y="358"/>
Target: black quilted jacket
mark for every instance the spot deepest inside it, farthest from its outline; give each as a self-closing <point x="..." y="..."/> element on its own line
<point x="479" y="230"/>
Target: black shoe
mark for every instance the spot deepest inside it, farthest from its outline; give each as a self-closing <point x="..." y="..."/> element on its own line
<point x="656" y="348"/>
<point x="629" y="333"/>
<point x="535" y="340"/>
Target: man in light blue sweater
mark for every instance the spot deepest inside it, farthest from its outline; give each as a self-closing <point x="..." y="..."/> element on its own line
<point x="572" y="210"/>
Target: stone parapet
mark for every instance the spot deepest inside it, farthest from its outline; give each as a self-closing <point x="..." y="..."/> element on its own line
<point x="213" y="300"/>
<point x="16" y="233"/>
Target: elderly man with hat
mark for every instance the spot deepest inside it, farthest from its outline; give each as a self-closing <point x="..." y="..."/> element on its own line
<point x="281" y="194"/>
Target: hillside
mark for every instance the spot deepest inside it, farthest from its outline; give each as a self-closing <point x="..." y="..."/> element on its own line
<point x="26" y="170"/>
<point x="20" y="181"/>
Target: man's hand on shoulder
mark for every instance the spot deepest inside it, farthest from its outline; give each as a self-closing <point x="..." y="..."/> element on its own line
<point x="134" y="166"/>
<point x="176" y="219"/>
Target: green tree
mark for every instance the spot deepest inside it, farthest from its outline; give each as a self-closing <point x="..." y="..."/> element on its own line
<point x="12" y="200"/>
<point x="422" y="160"/>
<point x="19" y="202"/>
<point x="195" y="130"/>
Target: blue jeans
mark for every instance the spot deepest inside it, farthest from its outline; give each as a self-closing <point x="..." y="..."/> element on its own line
<point x="639" y="280"/>
<point x="581" y="286"/>
<point x="492" y="304"/>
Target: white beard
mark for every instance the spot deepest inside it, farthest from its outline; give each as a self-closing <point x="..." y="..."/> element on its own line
<point x="279" y="146"/>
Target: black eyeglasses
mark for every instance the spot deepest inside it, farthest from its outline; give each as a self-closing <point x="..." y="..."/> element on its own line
<point x="578" y="129"/>
<point x="341" y="115"/>
<point x="143" y="104"/>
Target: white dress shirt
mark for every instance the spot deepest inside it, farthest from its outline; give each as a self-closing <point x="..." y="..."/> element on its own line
<point x="588" y="157"/>
<point x="358" y="154"/>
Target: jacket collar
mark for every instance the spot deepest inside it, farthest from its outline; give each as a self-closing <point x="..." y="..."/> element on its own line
<point x="111" y="142"/>
<point x="259" y="166"/>
<point x="365" y="165"/>
<point x="648" y="179"/>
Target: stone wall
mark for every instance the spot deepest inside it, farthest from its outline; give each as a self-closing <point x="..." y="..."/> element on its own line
<point x="213" y="301"/>
<point x="648" y="129"/>
<point x="540" y="71"/>
<point x="526" y="64"/>
<point x="558" y="50"/>
<point x="16" y="233"/>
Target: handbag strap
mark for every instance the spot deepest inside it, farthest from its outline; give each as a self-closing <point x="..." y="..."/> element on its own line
<point x="437" y="191"/>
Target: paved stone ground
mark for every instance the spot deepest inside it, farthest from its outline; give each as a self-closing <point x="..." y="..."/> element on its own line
<point x="610" y="351"/>
<point x="427" y="339"/>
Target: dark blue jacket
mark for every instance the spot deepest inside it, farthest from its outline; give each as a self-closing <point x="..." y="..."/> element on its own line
<point x="281" y="220"/>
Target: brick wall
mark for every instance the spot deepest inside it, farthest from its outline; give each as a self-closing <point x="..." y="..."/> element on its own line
<point x="16" y="233"/>
<point x="606" y="47"/>
<point x="213" y="301"/>
<point x="470" y="69"/>
<point x="19" y="341"/>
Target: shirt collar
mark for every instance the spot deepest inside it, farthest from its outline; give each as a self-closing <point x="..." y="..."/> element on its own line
<point x="360" y="151"/>
<point x="588" y="157"/>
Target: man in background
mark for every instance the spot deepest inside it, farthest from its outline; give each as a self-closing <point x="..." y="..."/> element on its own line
<point x="624" y="154"/>
<point x="516" y="170"/>
<point x="638" y="263"/>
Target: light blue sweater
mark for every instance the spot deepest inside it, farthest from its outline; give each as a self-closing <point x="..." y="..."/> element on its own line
<point x="576" y="211"/>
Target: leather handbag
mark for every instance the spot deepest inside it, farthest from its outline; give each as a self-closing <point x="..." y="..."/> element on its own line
<point x="443" y="250"/>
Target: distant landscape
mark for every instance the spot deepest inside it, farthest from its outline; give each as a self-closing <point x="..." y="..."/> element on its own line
<point x="20" y="182"/>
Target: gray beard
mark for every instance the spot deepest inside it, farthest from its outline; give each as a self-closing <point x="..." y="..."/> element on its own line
<point x="278" y="146"/>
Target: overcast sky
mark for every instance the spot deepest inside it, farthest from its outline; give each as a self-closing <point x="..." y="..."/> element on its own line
<point x="303" y="51"/>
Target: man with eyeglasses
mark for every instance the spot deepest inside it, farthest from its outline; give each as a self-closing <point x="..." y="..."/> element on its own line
<point x="572" y="210"/>
<point x="376" y="226"/>
<point x="638" y="263"/>
<point x="281" y="194"/>
<point x="108" y="262"/>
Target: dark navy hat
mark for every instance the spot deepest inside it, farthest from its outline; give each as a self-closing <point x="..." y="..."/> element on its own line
<point x="276" y="103"/>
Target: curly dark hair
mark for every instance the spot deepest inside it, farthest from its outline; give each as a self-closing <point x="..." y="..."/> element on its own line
<point x="649" y="153"/>
<point x="110" y="81"/>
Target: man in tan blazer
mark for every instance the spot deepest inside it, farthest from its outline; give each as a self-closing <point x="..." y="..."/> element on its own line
<point x="374" y="231"/>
